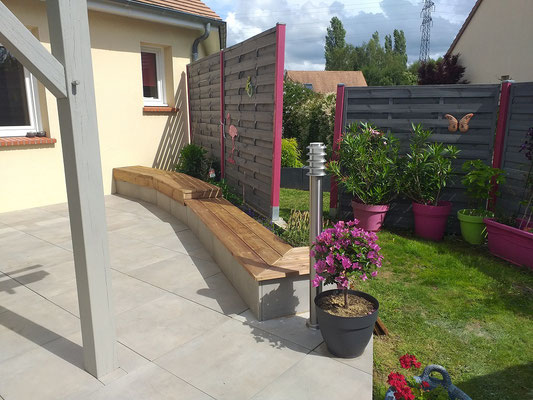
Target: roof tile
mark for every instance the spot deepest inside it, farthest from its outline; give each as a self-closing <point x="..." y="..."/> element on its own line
<point x="195" y="7"/>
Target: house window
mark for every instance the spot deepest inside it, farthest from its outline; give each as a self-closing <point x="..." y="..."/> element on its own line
<point x="19" y="108"/>
<point x="308" y="86"/>
<point x="153" y="74"/>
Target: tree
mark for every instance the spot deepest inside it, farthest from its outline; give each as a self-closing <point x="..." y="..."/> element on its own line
<point x="335" y="48"/>
<point x="388" y="44"/>
<point x="400" y="44"/>
<point x="446" y="70"/>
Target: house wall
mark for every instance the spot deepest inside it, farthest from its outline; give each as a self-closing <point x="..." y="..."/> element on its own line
<point x="33" y="176"/>
<point x="498" y="42"/>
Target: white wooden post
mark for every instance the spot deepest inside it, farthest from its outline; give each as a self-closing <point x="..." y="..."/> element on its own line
<point x="70" y="41"/>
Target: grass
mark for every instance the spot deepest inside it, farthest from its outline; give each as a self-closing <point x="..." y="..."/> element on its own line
<point x="452" y="304"/>
<point x="297" y="200"/>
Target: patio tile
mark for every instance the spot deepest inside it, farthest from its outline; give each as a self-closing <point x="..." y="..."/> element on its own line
<point x="133" y="254"/>
<point x="25" y="216"/>
<point x="50" y="373"/>
<point x="316" y="378"/>
<point x="175" y="272"/>
<point x="128" y="293"/>
<point x="363" y="363"/>
<point x="215" y="292"/>
<point x="292" y="328"/>
<point x="149" y="229"/>
<point x="150" y="382"/>
<point x="27" y="251"/>
<point x="163" y="324"/>
<point x="31" y="322"/>
<point x="233" y="361"/>
<point x="12" y="292"/>
<point x="184" y="242"/>
<point x="48" y="281"/>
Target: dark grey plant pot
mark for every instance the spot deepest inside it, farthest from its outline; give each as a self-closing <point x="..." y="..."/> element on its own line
<point x="346" y="337"/>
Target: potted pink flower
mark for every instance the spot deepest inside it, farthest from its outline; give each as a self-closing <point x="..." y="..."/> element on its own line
<point x="347" y="256"/>
<point x="423" y="387"/>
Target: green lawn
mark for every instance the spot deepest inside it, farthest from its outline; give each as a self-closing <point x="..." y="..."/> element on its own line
<point x="452" y="304"/>
<point x="297" y="200"/>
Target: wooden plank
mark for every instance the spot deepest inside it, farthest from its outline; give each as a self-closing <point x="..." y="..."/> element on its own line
<point x="254" y="242"/>
<point x="31" y="53"/>
<point x="249" y="65"/>
<point x="233" y="82"/>
<point x="433" y="91"/>
<point x="250" y="45"/>
<point x="267" y="236"/>
<point x="419" y="108"/>
<point x="70" y="41"/>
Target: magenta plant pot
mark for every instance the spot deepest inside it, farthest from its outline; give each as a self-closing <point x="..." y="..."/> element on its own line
<point x="509" y="243"/>
<point x="370" y="217"/>
<point x="430" y="221"/>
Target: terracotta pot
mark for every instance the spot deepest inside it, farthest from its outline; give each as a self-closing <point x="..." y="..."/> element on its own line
<point x="430" y="221"/>
<point x="370" y="216"/>
<point x="509" y="243"/>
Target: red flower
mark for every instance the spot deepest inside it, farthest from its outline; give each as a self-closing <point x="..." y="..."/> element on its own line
<point x="408" y="360"/>
<point x="396" y="380"/>
<point x="425" y="385"/>
<point x="404" y="393"/>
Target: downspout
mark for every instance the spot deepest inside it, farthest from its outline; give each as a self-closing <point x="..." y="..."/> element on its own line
<point x="200" y="39"/>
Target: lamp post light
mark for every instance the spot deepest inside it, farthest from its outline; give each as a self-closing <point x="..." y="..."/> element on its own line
<point x="316" y="172"/>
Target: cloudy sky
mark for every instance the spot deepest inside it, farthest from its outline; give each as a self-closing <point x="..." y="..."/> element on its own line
<point x="307" y="21"/>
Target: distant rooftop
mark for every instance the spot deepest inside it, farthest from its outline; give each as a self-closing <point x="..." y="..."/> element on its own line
<point x="327" y="81"/>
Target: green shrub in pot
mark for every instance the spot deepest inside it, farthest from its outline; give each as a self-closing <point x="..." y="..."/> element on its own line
<point x="426" y="170"/>
<point x="478" y="181"/>
<point x="368" y="169"/>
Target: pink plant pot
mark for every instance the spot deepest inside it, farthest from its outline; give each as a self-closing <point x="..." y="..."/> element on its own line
<point x="430" y="221"/>
<point x="524" y="224"/>
<point x="509" y="243"/>
<point x="370" y="217"/>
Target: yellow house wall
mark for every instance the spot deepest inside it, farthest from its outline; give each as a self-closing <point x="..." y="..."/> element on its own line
<point x="498" y="41"/>
<point x="33" y="176"/>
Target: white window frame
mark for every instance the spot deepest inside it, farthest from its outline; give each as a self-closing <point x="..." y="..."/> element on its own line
<point x="34" y="110"/>
<point x="160" y="70"/>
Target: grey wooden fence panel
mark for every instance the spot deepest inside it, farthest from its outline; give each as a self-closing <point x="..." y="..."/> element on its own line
<point x="394" y="109"/>
<point x="515" y="164"/>
<point x="252" y="116"/>
<point x="204" y="102"/>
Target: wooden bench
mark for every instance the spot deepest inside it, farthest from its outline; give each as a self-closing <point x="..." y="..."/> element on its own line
<point x="271" y="276"/>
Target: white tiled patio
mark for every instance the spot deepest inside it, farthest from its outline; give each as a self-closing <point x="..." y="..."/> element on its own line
<point x="183" y="332"/>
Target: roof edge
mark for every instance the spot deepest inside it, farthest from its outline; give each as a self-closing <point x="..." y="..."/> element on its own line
<point x="464" y="26"/>
<point x="151" y="9"/>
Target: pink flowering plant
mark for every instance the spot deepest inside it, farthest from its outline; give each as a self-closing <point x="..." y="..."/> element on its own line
<point x="345" y="255"/>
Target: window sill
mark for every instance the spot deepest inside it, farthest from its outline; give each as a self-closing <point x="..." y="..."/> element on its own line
<point x="25" y="141"/>
<point x="159" y="110"/>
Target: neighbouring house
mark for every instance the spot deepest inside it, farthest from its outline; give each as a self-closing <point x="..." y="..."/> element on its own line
<point x="140" y="50"/>
<point x="495" y="42"/>
<point x="327" y="81"/>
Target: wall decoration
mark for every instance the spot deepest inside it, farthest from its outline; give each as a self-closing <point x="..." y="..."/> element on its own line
<point x="250" y="87"/>
<point x="233" y="133"/>
<point x="463" y="123"/>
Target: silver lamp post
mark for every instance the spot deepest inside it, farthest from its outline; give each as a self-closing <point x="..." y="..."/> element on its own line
<point x="317" y="169"/>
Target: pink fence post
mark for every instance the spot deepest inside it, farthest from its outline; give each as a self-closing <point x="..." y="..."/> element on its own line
<point x="189" y="101"/>
<point x="499" y="141"/>
<point x="278" y="121"/>
<point x="222" y="103"/>
<point x="337" y="134"/>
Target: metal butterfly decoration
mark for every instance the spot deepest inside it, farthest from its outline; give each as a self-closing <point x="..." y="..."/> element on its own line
<point x="463" y="123"/>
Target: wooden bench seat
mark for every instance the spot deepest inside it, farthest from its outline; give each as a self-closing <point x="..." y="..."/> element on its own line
<point x="175" y="185"/>
<point x="271" y="276"/>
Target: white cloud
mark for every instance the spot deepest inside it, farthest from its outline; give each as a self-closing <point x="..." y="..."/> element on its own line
<point x="307" y="21"/>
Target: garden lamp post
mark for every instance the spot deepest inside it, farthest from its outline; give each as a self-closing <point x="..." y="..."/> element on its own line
<point x="316" y="172"/>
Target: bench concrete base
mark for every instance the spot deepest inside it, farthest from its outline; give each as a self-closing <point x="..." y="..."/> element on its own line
<point x="267" y="299"/>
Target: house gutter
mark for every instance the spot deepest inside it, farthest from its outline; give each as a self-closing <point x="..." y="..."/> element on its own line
<point x="200" y="39"/>
<point x="162" y="15"/>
